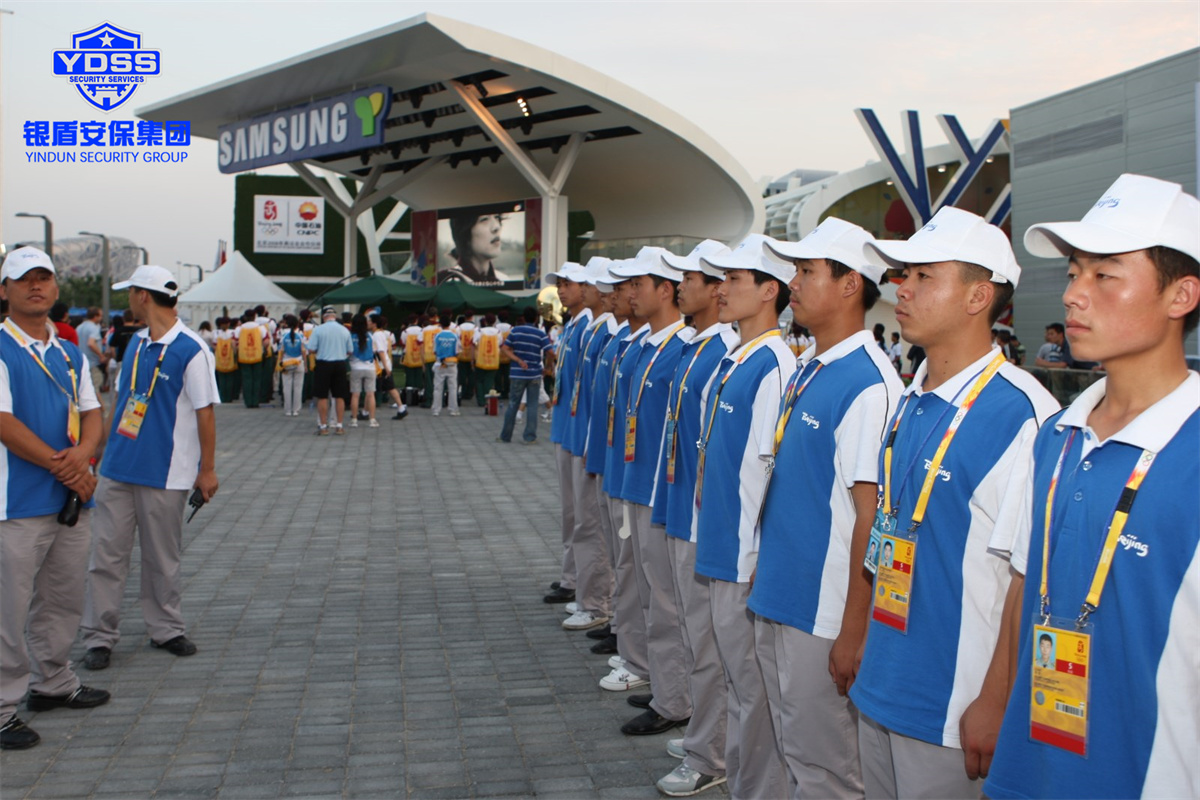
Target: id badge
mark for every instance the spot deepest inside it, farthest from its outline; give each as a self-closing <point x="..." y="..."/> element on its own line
<point x="611" y="412"/>
<point x="1058" y="694"/>
<point x="893" y="580"/>
<point x="670" y="445"/>
<point x="884" y="525"/>
<point x="574" y="402"/>
<point x="73" y="423"/>
<point x="630" y="438"/>
<point x="133" y="416"/>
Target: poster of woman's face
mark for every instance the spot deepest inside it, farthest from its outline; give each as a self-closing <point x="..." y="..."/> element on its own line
<point x="483" y="245"/>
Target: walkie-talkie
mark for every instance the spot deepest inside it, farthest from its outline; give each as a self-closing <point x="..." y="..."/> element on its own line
<point x="195" y="501"/>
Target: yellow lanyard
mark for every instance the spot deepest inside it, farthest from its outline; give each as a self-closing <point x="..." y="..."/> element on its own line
<point x="72" y="395"/>
<point x="940" y="453"/>
<point x="794" y="390"/>
<point x="631" y="410"/>
<point x="583" y="351"/>
<point x="1115" y="526"/>
<point x="562" y="346"/>
<point x="612" y="369"/>
<point x="157" y="367"/>
<point x="712" y="412"/>
<point x="688" y="371"/>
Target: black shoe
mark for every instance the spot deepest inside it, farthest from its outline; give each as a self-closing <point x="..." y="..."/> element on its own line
<point x="83" y="697"/>
<point x="648" y="723"/>
<point x="560" y="595"/>
<point x="401" y="414"/>
<point x="639" y="700"/>
<point x="15" y="736"/>
<point x="600" y="633"/>
<point x="555" y="586"/>
<point x="605" y="646"/>
<point x="179" y="646"/>
<point x="97" y="658"/>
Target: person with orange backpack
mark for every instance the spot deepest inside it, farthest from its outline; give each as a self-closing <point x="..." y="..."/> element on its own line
<point x="251" y="352"/>
<point x="225" y="352"/>
<point x="467" y="330"/>
<point x="486" y="343"/>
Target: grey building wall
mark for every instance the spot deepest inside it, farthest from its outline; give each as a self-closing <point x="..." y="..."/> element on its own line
<point x="1067" y="149"/>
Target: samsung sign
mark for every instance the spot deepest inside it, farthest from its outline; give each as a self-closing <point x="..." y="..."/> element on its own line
<point x="340" y="124"/>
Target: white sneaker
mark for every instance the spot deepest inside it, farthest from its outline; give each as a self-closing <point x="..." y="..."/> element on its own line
<point x="675" y="748"/>
<point x="683" y="781"/>
<point x="615" y="662"/>
<point x="456" y="413"/>
<point x="571" y="608"/>
<point x="621" y="680"/>
<point x="353" y="423"/>
<point x="520" y="416"/>
<point x="373" y="423"/>
<point x="582" y="620"/>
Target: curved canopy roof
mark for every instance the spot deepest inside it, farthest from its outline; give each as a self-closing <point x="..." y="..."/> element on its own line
<point x="641" y="169"/>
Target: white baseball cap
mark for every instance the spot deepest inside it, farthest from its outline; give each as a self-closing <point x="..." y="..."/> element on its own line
<point x="596" y="270"/>
<point x="1135" y="213"/>
<point x="611" y="279"/>
<point x="148" y="276"/>
<point x="649" y="261"/>
<point x="753" y="252"/>
<point x="952" y="235"/>
<point x="569" y="270"/>
<point x="693" y="261"/>
<point x="834" y="239"/>
<point x="23" y="259"/>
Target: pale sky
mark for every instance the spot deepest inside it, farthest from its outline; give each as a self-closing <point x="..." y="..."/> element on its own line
<point x="775" y="83"/>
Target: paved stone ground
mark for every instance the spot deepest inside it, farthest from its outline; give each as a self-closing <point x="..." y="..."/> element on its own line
<point x="369" y="620"/>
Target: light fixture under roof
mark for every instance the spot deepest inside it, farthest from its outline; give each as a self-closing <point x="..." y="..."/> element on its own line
<point x="524" y="106"/>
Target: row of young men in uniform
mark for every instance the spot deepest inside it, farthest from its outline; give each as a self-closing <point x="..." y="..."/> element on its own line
<point x="53" y="508"/>
<point x="752" y="526"/>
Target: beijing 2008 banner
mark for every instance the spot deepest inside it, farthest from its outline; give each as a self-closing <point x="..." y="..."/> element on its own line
<point x="285" y="224"/>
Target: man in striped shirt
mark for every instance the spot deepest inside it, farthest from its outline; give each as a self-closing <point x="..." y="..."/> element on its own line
<point x="525" y="346"/>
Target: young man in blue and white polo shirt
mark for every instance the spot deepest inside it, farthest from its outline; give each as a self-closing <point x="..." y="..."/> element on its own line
<point x="568" y="280"/>
<point x="703" y="746"/>
<point x="1133" y="293"/>
<point x="737" y="417"/>
<point x="811" y="592"/>
<point x="593" y="565"/>
<point x="161" y="447"/>
<point x="49" y="431"/>
<point x="954" y="474"/>
<point x="653" y="286"/>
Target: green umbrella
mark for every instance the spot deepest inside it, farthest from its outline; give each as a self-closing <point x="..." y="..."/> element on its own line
<point x="457" y="294"/>
<point x="379" y="289"/>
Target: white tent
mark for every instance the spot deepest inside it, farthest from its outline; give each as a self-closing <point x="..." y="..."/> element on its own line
<point x="236" y="286"/>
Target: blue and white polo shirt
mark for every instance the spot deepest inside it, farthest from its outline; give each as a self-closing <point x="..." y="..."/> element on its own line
<point x="1144" y="732"/>
<point x="672" y="503"/>
<point x="166" y="453"/>
<point x="597" y="434"/>
<point x="831" y="442"/>
<point x="919" y="684"/>
<point x="614" y="458"/>
<point x="26" y="489"/>
<point x="638" y="481"/>
<point x="564" y="372"/>
<point x="591" y="346"/>
<point x="734" y="474"/>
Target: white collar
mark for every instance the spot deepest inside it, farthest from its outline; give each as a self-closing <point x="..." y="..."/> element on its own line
<point x="843" y="348"/>
<point x="660" y="335"/>
<point x="716" y="329"/>
<point x="27" y="341"/>
<point x="1153" y="428"/>
<point x="743" y="351"/>
<point x="951" y="389"/>
<point x="635" y="334"/>
<point x="168" y="337"/>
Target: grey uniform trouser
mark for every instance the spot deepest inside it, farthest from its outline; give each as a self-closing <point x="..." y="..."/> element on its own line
<point x="566" y="495"/>
<point x="593" y="566"/>
<point x="760" y="772"/>
<point x="629" y="623"/>
<point x="815" y="727"/>
<point x="42" y="572"/>
<point x="704" y="741"/>
<point x="157" y="517"/>
<point x="895" y="765"/>
<point x="668" y="656"/>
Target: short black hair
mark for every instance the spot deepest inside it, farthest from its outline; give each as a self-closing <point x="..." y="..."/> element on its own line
<point x="659" y="281"/>
<point x="1171" y="265"/>
<point x="162" y="299"/>
<point x="444" y="321"/>
<point x="870" y="290"/>
<point x="970" y="273"/>
<point x="784" y="295"/>
<point x="530" y="315"/>
<point x="1057" y="326"/>
<point x="59" y="311"/>
<point x="1045" y="637"/>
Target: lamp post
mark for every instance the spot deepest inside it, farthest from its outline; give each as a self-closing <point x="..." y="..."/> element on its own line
<point x="105" y="276"/>
<point x="199" y="269"/>
<point x="145" y="253"/>
<point x="48" y="228"/>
